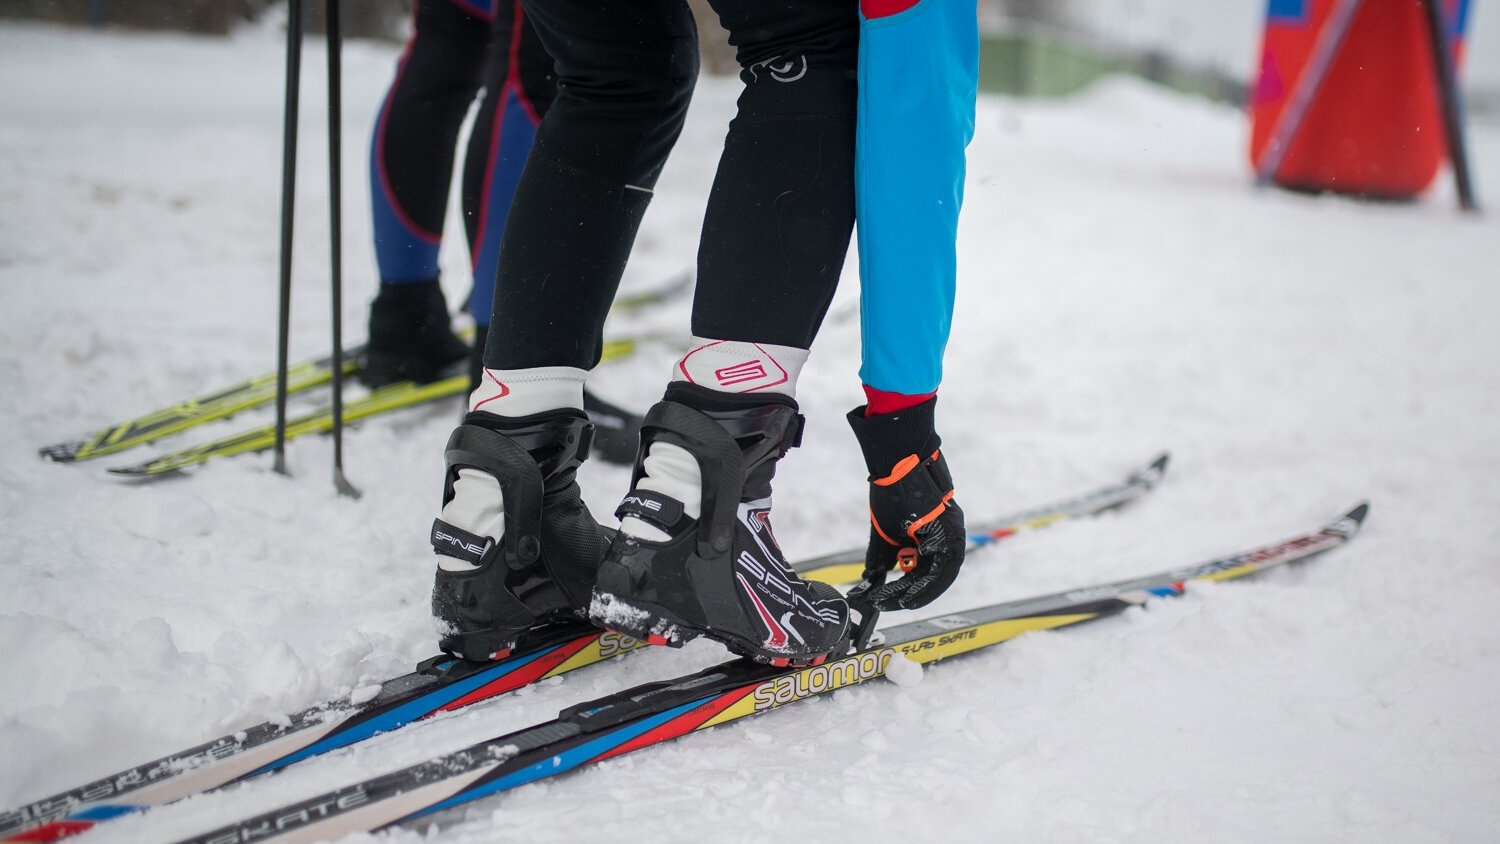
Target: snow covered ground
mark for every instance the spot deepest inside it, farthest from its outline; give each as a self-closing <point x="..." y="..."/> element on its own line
<point x="1124" y="291"/>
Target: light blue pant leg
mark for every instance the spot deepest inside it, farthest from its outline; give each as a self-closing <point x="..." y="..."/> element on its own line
<point x="918" y="80"/>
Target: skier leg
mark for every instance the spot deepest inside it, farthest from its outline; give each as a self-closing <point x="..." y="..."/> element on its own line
<point x="695" y="554"/>
<point x="625" y="75"/>
<point x="520" y="84"/>
<point x="626" y="71"/>
<point x="411" y="160"/>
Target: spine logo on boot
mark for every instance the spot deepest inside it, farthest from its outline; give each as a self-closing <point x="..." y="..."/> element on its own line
<point x="642" y="502"/>
<point x="450" y="541"/>
<point x="768" y="582"/>
<point x="458" y="544"/>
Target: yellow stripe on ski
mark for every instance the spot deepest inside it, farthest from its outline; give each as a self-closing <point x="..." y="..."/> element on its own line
<point x="836" y="574"/>
<point x="384" y="400"/>
<point x="872" y="663"/>
<point x="194" y="412"/>
<point x="609" y="644"/>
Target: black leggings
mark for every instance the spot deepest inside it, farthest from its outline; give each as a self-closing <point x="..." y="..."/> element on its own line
<point x="457" y="50"/>
<point x="781" y="211"/>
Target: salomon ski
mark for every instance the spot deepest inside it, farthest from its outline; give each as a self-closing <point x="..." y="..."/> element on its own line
<point x="439" y="684"/>
<point x="656" y="712"/>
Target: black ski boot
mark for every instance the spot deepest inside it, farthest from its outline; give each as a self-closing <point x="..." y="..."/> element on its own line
<point x="721" y="575"/>
<point x="617" y="431"/>
<point x="542" y="570"/>
<point x="411" y="337"/>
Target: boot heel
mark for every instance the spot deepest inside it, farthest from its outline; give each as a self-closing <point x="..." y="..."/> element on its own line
<point x="488" y="593"/>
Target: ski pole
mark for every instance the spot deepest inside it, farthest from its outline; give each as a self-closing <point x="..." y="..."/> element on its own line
<point x="1450" y="102"/>
<point x="335" y="213"/>
<point x="288" y="192"/>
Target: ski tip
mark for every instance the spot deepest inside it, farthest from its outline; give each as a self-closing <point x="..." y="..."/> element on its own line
<point x="1350" y="523"/>
<point x="1151" y="474"/>
<point x="1359" y="512"/>
<point x="62" y="452"/>
<point x="141" y="472"/>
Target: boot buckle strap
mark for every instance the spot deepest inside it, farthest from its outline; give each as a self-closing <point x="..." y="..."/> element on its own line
<point x="451" y="541"/>
<point x="653" y="508"/>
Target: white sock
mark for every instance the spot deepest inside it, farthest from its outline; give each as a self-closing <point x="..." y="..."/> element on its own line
<point x="737" y="366"/>
<point x="522" y="392"/>
<point x="477" y="505"/>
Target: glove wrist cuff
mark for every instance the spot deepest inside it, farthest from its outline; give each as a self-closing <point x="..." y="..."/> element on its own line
<point x="887" y="438"/>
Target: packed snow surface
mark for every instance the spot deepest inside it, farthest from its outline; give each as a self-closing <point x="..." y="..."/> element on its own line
<point x="1125" y="290"/>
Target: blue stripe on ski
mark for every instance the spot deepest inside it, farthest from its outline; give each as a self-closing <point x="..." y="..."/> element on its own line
<point x="403" y="715"/>
<point x="565" y="761"/>
<point x="106" y="812"/>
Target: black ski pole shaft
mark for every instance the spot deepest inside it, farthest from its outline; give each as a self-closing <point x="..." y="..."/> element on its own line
<point x="288" y="194"/>
<point x="335" y="233"/>
<point x="1450" y="102"/>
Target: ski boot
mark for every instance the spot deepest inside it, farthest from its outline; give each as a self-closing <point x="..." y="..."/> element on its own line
<point x="489" y="592"/>
<point x="673" y="574"/>
<point x="617" y="431"/>
<point x="411" y="338"/>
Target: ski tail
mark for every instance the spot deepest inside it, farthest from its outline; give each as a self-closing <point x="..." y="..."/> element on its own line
<point x="673" y="287"/>
<point x="646" y="715"/>
<point x="387" y="399"/>
<point x="261" y="390"/>
<point x="221" y="404"/>
<point x="439" y="684"/>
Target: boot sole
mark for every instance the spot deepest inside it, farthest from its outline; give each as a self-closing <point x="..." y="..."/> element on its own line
<point x="656" y="625"/>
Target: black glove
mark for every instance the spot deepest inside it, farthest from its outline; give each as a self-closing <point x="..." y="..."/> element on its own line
<point x="915" y="524"/>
